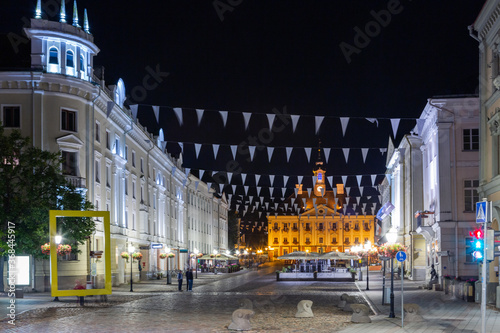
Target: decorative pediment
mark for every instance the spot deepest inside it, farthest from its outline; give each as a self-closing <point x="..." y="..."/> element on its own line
<point x="69" y="143"/>
<point x="427" y="232"/>
<point x="321" y="210"/>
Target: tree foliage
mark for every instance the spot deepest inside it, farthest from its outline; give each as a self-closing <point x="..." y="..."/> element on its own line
<point x="31" y="184"/>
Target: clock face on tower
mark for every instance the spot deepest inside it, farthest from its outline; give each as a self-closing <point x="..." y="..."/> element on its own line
<point x="320" y="176"/>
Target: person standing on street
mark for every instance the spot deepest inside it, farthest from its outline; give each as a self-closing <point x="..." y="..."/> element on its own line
<point x="179" y="279"/>
<point x="189" y="277"/>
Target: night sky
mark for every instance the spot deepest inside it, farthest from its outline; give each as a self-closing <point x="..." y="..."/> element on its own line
<point x="254" y="56"/>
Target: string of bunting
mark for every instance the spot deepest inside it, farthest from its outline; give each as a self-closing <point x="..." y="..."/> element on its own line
<point x="271" y="117"/>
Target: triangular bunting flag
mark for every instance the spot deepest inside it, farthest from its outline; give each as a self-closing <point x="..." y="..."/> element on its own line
<point x="296" y="190"/>
<point x="358" y="178"/>
<point x="156" y="111"/>
<point x="299" y="178"/>
<point x="344" y="121"/>
<point x="309" y="192"/>
<point x="196" y="183"/>
<point x="223" y="114"/>
<point x="364" y="152"/>
<point x="346" y="153"/>
<point x="308" y="154"/>
<point x="178" y="114"/>
<point x="257" y="178"/>
<point x="317" y="121"/>
<point x="246" y="118"/>
<point x="229" y="176"/>
<point x="295" y="120"/>
<point x="243" y="178"/>
<point x="420" y="126"/>
<point x="234" y="148"/>
<point x="361" y="190"/>
<point x="330" y="180"/>
<point x="327" y="154"/>
<point x="199" y="114"/>
<point x="288" y="153"/>
<point x="271" y="179"/>
<point x="201" y="173"/>
<point x="252" y="152"/>
<point x="258" y="190"/>
<point x="372" y="120"/>
<point x="246" y="190"/>
<point x="395" y="125"/>
<point x="216" y="150"/>
<point x="221" y="187"/>
<point x="133" y="109"/>
<point x="344" y="180"/>
<point x="234" y="188"/>
<point x="270" y="151"/>
<point x="285" y="180"/>
<point x="270" y="119"/>
<point x="383" y="150"/>
<point x="315" y="178"/>
<point x="374" y="177"/>
<point x="197" y="147"/>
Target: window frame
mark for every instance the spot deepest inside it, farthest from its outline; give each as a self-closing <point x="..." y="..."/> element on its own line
<point x="68" y="122"/>
<point x="4" y="106"/>
<point x="468" y="142"/>
<point x="473" y="195"/>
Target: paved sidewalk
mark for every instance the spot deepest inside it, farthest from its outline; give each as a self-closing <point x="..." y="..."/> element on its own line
<point x="120" y="294"/>
<point x="440" y="312"/>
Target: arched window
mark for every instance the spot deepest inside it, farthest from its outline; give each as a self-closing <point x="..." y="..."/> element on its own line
<point x="82" y="63"/>
<point x="53" y="56"/>
<point x="69" y="59"/>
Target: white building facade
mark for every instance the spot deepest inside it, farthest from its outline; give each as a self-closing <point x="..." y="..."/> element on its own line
<point x="437" y="171"/>
<point x="153" y="202"/>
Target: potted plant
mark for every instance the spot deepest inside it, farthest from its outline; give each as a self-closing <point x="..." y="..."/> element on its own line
<point x="171" y="255"/>
<point x="46" y="248"/>
<point x="125" y="255"/>
<point x="63" y="249"/>
<point x="278" y="275"/>
<point x="353" y="273"/>
<point x="163" y="255"/>
<point x="137" y="255"/>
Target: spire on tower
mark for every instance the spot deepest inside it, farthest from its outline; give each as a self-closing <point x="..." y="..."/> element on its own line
<point x="62" y="18"/>
<point x="38" y="10"/>
<point x="86" y="26"/>
<point x="319" y="161"/>
<point x="75" y="15"/>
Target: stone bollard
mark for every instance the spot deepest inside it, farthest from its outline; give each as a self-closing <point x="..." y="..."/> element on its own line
<point x="412" y="313"/>
<point x="304" y="309"/>
<point x="348" y="302"/>
<point x="342" y="300"/>
<point x="241" y="320"/>
<point x="245" y="303"/>
<point x="360" y="313"/>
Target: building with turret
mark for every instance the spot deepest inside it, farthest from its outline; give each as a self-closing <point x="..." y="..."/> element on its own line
<point x="154" y="203"/>
<point x="322" y="221"/>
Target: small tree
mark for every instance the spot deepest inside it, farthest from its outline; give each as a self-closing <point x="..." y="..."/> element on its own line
<point x="31" y="184"/>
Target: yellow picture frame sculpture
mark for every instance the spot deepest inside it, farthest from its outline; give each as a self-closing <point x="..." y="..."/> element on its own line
<point x="54" y="286"/>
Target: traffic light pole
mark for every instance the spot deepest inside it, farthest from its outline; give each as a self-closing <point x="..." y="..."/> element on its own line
<point x="484" y="281"/>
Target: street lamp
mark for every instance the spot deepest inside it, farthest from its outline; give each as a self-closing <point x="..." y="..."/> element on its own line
<point x="391" y="236"/>
<point x="196" y="261"/>
<point x="368" y="246"/>
<point x="58" y="239"/>
<point x="131" y="249"/>
<point x="169" y="278"/>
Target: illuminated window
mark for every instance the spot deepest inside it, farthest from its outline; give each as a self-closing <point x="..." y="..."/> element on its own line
<point x="321" y="240"/>
<point x="53" y="56"/>
<point x="70" y="59"/>
<point x="320" y="176"/>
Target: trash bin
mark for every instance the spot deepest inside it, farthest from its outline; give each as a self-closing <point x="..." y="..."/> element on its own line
<point x="387" y="295"/>
<point x="360" y="275"/>
<point x="19" y="293"/>
<point x="470" y="292"/>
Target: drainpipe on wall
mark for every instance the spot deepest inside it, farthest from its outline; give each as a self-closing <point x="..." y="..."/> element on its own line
<point x="454" y="182"/>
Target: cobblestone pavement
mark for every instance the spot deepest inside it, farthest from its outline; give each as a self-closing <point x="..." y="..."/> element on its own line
<point x="157" y="307"/>
<point x="207" y="309"/>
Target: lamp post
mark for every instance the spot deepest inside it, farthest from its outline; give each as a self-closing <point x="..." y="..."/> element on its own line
<point x="391" y="238"/>
<point x="215" y="263"/>
<point x="196" y="261"/>
<point x="169" y="277"/>
<point x="58" y="239"/>
<point x="367" y="246"/>
<point x="131" y="249"/>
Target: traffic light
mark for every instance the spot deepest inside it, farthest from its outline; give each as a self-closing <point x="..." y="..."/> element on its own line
<point x="477" y="244"/>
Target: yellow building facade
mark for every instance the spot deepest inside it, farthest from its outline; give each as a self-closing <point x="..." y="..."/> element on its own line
<point x="323" y="222"/>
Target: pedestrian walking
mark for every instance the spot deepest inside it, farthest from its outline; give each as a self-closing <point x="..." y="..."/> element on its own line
<point x="189" y="277"/>
<point x="179" y="279"/>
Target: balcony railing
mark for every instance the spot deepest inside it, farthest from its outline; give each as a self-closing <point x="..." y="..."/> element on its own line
<point x="285" y="243"/>
<point x="307" y="243"/>
<point x="295" y="229"/>
<point x="307" y="229"/>
<point x="295" y="242"/>
<point x="78" y="182"/>
<point x="285" y="229"/>
<point x="276" y="229"/>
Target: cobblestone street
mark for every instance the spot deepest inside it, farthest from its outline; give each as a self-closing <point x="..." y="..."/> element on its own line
<point x="207" y="309"/>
